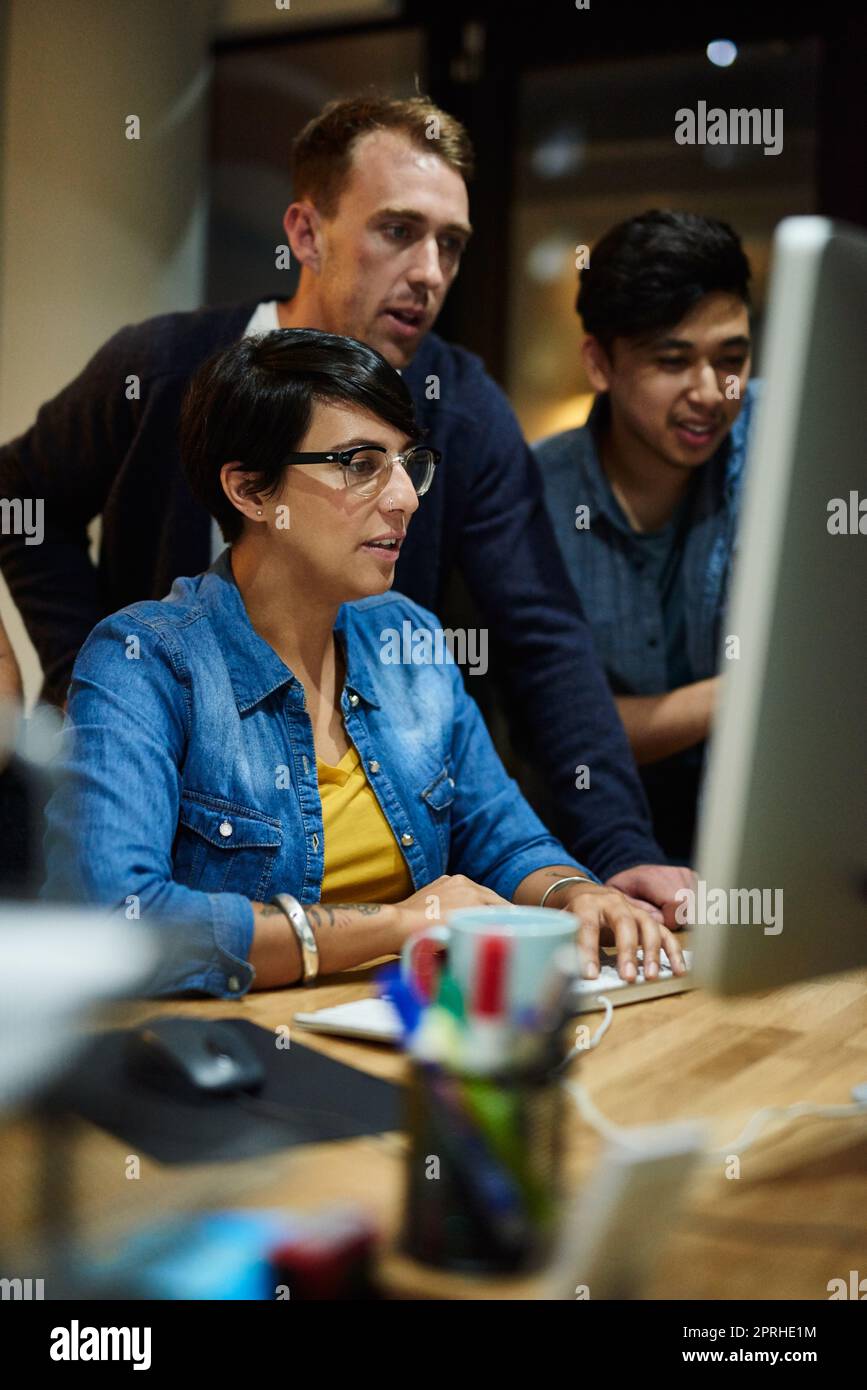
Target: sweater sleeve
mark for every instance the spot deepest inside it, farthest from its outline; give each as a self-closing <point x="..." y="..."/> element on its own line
<point x="560" y="705"/>
<point x="497" y="838"/>
<point x="60" y="473"/>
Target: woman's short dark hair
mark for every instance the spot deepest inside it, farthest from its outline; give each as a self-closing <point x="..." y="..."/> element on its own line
<point x="254" y="402"/>
<point x="647" y="273"/>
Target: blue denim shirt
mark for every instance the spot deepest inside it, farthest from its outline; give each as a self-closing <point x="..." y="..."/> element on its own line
<point x="188" y="774"/>
<point x="618" y="592"/>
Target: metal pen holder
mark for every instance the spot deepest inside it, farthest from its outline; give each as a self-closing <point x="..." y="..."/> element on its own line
<point x="483" y="1168"/>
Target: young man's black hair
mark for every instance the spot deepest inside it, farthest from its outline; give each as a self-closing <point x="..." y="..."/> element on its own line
<point x="648" y="272"/>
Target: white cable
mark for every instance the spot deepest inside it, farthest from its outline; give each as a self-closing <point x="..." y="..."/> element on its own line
<point x="604" y="1025"/>
<point x="597" y="1036"/>
<point x="593" y="1115"/>
<point x="748" y="1135"/>
<point x="802" y="1108"/>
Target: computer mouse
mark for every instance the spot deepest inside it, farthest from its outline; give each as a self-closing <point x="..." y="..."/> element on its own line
<point x="194" y="1054"/>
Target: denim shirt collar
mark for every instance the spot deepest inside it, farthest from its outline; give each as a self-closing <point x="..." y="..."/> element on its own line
<point x="600" y="497"/>
<point x="255" y="669"/>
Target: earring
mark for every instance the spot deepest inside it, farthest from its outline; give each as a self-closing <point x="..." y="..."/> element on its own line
<point x="258" y="511"/>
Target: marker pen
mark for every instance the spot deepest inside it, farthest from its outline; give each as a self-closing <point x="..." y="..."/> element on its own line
<point x="487" y="1035"/>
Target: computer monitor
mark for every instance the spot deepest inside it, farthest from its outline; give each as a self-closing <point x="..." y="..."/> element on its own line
<point x="785" y="801"/>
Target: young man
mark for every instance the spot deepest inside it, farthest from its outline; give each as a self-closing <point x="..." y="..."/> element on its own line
<point x="644" y="498"/>
<point x="378" y="224"/>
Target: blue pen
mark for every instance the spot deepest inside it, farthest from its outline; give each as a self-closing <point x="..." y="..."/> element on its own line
<point x="402" y="997"/>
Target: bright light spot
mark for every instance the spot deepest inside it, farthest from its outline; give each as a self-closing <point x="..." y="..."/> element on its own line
<point x="559" y="154"/>
<point x="722" y="52"/>
<point x="549" y="259"/>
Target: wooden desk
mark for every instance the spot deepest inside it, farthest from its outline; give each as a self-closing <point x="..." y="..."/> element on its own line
<point x="795" y="1218"/>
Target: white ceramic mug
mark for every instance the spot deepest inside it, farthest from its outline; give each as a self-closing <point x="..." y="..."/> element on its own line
<point x="535" y="933"/>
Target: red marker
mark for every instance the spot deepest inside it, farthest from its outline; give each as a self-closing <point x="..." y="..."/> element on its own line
<point x="428" y="957"/>
<point x="487" y="1040"/>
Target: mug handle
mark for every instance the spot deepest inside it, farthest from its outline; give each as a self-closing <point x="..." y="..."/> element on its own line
<point x="417" y="959"/>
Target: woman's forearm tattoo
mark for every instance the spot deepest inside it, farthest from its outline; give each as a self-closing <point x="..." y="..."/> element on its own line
<point x="334" y="915"/>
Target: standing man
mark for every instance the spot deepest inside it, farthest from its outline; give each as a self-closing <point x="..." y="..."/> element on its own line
<point x="378" y="225"/>
<point x="644" y="498"/>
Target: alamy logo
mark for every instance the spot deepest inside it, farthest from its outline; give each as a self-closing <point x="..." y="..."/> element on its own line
<point x="847" y="518"/>
<point x="24" y="1289"/>
<point x="716" y="907"/>
<point x="76" y="1343"/>
<point x="23" y="517"/>
<point x="856" y="1288"/>
<point x="740" y="126"/>
<point x="423" y="646"/>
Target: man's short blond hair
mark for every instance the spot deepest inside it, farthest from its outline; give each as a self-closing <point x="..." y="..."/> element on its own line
<point x="322" y="153"/>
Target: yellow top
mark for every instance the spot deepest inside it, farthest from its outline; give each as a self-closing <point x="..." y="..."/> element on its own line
<point x="363" y="862"/>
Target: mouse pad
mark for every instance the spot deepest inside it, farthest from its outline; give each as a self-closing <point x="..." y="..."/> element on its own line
<point x="322" y="1100"/>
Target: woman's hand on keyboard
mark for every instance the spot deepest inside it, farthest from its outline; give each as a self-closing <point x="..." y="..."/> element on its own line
<point x="608" y="915"/>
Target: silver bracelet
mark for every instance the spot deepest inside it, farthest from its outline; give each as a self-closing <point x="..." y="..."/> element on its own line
<point x="297" y="918"/>
<point x="573" y="878"/>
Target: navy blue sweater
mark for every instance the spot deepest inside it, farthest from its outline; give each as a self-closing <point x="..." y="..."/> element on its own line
<point x="93" y="451"/>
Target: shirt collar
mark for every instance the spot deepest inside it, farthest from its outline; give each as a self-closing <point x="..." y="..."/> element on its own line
<point x="600" y="498"/>
<point x="255" y="670"/>
<point x="358" y="678"/>
<point x="714" y="474"/>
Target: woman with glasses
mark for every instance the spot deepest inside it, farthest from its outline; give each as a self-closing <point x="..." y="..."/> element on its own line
<point x="242" y="765"/>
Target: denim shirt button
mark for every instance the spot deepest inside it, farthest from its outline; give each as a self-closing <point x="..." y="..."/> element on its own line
<point x="315" y="840"/>
<point x="373" y="765"/>
<point x="306" y="761"/>
<point x="226" y="829"/>
<point x="353" y="700"/>
<point x="406" y="838"/>
<point x="234" y="983"/>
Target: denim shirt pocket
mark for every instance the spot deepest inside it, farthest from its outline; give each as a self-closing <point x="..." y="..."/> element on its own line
<point x="439" y="795"/>
<point x="223" y="847"/>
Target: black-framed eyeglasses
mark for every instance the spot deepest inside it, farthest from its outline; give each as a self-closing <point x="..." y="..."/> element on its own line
<point x="367" y="468"/>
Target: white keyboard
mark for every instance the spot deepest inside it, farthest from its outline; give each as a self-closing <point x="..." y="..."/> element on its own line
<point x="610" y="983"/>
<point x="374" y="1020"/>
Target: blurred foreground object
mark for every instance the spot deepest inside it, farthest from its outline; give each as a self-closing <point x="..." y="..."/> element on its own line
<point x="56" y="964"/>
<point x="27" y="748"/>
